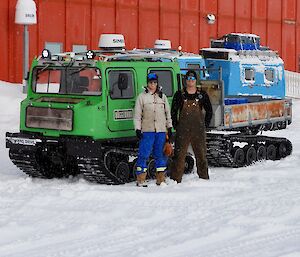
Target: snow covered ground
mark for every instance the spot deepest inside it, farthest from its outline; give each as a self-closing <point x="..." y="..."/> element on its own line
<point x="251" y="211"/>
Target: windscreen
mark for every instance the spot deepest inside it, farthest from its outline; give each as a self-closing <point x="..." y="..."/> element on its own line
<point x="67" y="80"/>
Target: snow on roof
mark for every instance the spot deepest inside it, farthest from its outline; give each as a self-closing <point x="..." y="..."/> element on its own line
<point x="243" y="34"/>
<point x="249" y="56"/>
<point x="219" y="50"/>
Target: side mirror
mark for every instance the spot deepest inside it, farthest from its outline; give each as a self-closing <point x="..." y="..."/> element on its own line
<point x="122" y="81"/>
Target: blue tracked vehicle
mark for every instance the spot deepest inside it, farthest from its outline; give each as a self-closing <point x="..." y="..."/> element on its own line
<point x="246" y="85"/>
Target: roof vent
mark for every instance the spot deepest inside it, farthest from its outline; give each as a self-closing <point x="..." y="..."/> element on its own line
<point x="162" y="44"/>
<point x="111" y="41"/>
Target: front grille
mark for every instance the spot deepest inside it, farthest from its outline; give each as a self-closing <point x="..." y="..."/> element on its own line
<point x="49" y="118"/>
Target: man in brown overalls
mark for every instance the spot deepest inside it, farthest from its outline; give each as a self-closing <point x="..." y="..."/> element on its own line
<point x="190" y="127"/>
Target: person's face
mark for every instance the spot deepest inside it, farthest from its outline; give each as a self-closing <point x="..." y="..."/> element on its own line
<point x="191" y="81"/>
<point x="152" y="84"/>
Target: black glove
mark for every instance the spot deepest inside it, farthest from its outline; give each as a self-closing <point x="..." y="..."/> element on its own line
<point x="170" y="134"/>
<point x="139" y="134"/>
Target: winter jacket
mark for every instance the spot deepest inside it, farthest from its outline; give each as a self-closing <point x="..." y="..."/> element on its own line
<point x="152" y="112"/>
<point x="179" y="98"/>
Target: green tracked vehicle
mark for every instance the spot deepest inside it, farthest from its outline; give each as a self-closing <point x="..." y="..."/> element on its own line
<point x="77" y="117"/>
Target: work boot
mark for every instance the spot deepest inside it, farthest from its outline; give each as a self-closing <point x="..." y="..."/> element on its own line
<point x="141" y="180"/>
<point x="160" y="177"/>
<point x="203" y="173"/>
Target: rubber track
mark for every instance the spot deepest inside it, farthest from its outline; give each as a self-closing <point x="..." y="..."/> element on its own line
<point x="219" y="147"/>
<point x="95" y="170"/>
<point x="26" y="161"/>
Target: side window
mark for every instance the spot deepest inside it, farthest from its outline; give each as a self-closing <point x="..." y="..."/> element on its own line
<point x="165" y="80"/>
<point x="269" y="74"/>
<point x="193" y="66"/>
<point x="121" y="84"/>
<point x="249" y="74"/>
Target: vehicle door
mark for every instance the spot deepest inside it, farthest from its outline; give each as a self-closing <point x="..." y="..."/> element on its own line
<point x="120" y="98"/>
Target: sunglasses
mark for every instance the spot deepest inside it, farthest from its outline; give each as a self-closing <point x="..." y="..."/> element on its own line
<point x="191" y="78"/>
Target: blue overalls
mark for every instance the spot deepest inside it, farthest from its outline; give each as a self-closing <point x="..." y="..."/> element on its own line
<point x="151" y="142"/>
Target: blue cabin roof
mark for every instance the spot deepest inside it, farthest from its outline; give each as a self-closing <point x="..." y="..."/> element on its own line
<point x="238" y="41"/>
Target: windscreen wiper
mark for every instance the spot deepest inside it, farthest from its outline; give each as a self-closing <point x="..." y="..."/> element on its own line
<point x="81" y="69"/>
<point x="44" y="68"/>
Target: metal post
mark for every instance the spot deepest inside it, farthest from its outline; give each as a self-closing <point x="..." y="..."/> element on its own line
<point x="25" y="57"/>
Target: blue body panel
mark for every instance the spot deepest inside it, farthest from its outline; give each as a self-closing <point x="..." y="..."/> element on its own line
<point x="235" y="83"/>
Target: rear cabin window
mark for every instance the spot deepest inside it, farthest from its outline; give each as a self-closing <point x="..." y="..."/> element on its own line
<point x="121" y="84"/>
<point x="215" y="55"/>
<point x="193" y="66"/>
<point x="249" y="74"/>
<point x="165" y="80"/>
<point x="232" y="39"/>
<point x="269" y="74"/>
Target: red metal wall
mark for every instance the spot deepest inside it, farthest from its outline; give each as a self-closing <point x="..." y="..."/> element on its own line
<point x="80" y="22"/>
<point x="4" y="40"/>
<point x="259" y="18"/>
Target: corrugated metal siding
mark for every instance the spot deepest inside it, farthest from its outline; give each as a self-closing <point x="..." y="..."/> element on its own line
<point x="80" y="22"/>
<point x="298" y="38"/>
<point x="148" y="23"/>
<point x="3" y="40"/>
<point x="259" y="19"/>
<point x="207" y="31"/>
<point x="243" y="16"/>
<point x="127" y="21"/>
<point x="226" y="17"/>
<point x="274" y="27"/>
<point x="170" y="21"/>
<point x="51" y="23"/>
<point x="102" y="19"/>
<point x="289" y="33"/>
<point x="189" y="25"/>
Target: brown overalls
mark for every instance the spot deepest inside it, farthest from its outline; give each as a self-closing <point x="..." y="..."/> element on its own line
<point x="190" y="129"/>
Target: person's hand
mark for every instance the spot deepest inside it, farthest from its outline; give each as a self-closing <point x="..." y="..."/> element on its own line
<point x="174" y="124"/>
<point x="170" y="134"/>
<point x="139" y="134"/>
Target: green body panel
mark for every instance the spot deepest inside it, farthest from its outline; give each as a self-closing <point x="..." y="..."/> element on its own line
<point x="94" y="116"/>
